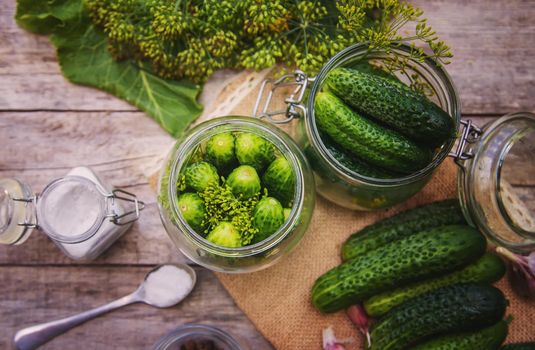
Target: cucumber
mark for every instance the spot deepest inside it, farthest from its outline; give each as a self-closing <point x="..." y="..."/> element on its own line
<point x="427" y="253"/>
<point x="268" y="217"/>
<point x="220" y="152"/>
<point x="488" y="269"/>
<point x="225" y="235"/>
<point x="279" y="180"/>
<point x="254" y="150"/>
<point x="519" y="346"/>
<point x="394" y="104"/>
<point x="244" y="182"/>
<point x="192" y="209"/>
<point x="366" y="139"/>
<point x="406" y="223"/>
<point x="200" y="175"/>
<point x="490" y="338"/>
<point x="355" y="164"/>
<point x="455" y="308"/>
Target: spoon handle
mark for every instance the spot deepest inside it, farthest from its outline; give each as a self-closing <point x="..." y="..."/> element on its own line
<point x="34" y="336"/>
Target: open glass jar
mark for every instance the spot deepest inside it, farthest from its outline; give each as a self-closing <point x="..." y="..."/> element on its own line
<point x="254" y="256"/>
<point x="334" y="181"/>
<point x="496" y="187"/>
<point x="82" y="215"/>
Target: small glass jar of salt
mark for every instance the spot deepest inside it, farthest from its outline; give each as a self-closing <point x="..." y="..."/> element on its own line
<point x="81" y="214"/>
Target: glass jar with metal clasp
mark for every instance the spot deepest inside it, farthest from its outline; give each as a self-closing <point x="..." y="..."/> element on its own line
<point x="495" y="181"/>
<point x="81" y="214"/>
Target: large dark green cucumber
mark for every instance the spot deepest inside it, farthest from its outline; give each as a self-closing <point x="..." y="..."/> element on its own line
<point x="355" y="164"/>
<point x="455" y="308"/>
<point x="519" y="346"/>
<point x="446" y="212"/>
<point x="413" y="258"/>
<point x="394" y="104"/>
<point x="490" y="338"/>
<point x="366" y="139"/>
<point x="488" y="269"/>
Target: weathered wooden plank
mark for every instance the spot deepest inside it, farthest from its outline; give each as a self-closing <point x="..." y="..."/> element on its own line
<point x="491" y="41"/>
<point x="31" y="296"/>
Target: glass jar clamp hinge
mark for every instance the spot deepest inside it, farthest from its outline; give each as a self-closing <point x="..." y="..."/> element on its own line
<point x="294" y="108"/>
<point x="469" y="134"/>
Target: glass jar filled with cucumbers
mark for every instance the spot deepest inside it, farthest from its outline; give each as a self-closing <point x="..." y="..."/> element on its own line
<point x="236" y="194"/>
<point x="375" y="125"/>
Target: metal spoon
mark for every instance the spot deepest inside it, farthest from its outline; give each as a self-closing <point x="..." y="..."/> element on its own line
<point x="34" y="336"/>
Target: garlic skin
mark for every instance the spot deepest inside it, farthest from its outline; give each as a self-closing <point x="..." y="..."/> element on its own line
<point x="521" y="272"/>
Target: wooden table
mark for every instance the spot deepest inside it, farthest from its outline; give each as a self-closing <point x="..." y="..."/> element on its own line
<point x="48" y="126"/>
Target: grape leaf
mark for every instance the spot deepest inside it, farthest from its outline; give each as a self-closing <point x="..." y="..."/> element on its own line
<point x="85" y="60"/>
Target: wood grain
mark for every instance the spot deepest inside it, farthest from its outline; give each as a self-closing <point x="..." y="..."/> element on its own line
<point x="493" y="42"/>
<point x="31" y="296"/>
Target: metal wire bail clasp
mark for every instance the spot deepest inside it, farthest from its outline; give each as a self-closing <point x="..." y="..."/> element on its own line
<point x="294" y="107"/>
<point x="470" y="133"/>
<point x="128" y="216"/>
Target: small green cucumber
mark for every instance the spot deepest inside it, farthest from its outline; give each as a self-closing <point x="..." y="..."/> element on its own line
<point x="252" y="149"/>
<point x="268" y="217"/>
<point x="192" y="209"/>
<point x="220" y="152"/>
<point x="450" y="309"/>
<point x="279" y="180"/>
<point x="244" y="182"/>
<point x="490" y="338"/>
<point x="396" y="105"/>
<point x="366" y="139"/>
<point x="406" y="223"/>
<point x="355" y="164"/>
<point x="413" y="258"/>
<point x="488" y="269"/>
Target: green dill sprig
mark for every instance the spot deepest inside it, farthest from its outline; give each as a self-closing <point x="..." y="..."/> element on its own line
<point x="193" y="38"/>
<point x="221" y="205"/>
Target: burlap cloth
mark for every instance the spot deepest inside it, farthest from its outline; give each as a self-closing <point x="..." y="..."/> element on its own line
<point x="277" y="300"/>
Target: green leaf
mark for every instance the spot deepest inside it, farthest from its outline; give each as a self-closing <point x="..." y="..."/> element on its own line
<point x="84" y="59"/>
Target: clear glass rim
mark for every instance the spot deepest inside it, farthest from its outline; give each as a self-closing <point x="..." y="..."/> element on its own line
<point x="195" y="137"/>
<point x="188" y="330"/>
<point x="350" y="175"/>
<point x="49" y="230"/>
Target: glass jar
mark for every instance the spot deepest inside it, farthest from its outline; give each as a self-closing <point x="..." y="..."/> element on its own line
<point x="81" y="214"/>
<point x="334" y="181"/>
<point x="255" y="256"/>
<point x="180" y="337"/>
<point x="496" y="182"/>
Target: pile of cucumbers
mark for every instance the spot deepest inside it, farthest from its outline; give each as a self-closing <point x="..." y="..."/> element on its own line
<point x="237" y="189"/>
<point x="425" y="276"/>
<point x="377" y="126"/>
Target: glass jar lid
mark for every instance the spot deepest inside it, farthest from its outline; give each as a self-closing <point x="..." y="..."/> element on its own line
<point x="71" y="209"/>
<point x="17" y="211"/>
<point x="496" y="183"/>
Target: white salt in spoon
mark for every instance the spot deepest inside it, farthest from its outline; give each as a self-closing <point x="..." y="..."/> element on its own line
<point x="164" y="286"/>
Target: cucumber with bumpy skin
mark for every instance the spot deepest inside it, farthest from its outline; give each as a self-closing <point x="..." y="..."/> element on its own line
<point x="413" y="258"/>
<point x="455" y="308"/>
<point x="366" y="139"/>
<point x="396" y="105"/>
<point x="406" y="223"/>
<point x="355" y="164"/>
<point x="192" y="209"/>
<point x="220" y="151"/>
<point x="244" y="182"/>
<point x="254" y="150"/>
<point x="268" y="217"/>
<point x="200" y="175"/>
<point x="225" y="235"/>
<point x="490" y="338"/>
<point x="488" y="269"/>
<point x="279" y="180"/>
